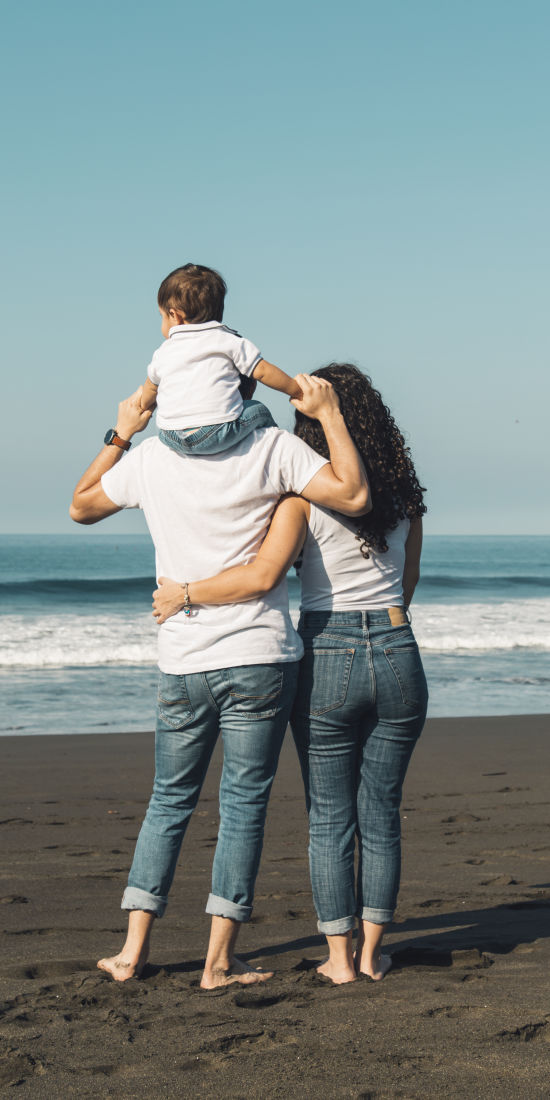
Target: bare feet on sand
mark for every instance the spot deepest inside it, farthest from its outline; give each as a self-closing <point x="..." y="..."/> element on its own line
<point x="338" y="974"/>
<point x="238" y="971"/>
<point x="376" y="968"/>
<point x="122" y="967"/>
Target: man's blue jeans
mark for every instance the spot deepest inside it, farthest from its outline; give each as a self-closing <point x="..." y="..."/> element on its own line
<point x="360" y="708"/>
<point x="250" y="706"/>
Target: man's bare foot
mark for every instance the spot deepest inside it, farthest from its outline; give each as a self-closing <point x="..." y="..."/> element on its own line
<point x="122" y="967"/>
<point x="377" y="968"/>
<point x="237" y="972"/>
<point x="338" y="974"/>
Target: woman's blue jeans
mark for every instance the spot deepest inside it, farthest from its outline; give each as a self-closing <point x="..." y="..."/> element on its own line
<point x="359" y="710"/>
<point x="250" y="706"/>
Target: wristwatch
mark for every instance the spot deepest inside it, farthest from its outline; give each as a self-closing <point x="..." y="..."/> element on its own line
<point x="112" y="437"/>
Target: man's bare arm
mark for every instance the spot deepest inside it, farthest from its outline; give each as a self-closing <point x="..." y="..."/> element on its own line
<point x="90" y="503"/>
<point x="343" y="485"/>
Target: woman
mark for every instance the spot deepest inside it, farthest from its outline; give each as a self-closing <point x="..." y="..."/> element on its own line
<point x="362" y="695"/>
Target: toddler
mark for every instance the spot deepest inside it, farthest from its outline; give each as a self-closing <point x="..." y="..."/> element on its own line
<point x="194" y="376"/>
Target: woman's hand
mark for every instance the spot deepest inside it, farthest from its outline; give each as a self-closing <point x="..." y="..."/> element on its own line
<point x="318" y="397"/>
<point x="168" y="599"/>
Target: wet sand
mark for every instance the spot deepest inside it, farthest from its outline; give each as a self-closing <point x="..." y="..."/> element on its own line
<point x="464" y="1013"/>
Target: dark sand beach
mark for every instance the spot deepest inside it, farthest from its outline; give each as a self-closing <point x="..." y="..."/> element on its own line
<point x="464" y="1013"/>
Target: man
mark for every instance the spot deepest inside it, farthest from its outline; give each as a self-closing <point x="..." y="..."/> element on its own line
<point x="225" y="669"/>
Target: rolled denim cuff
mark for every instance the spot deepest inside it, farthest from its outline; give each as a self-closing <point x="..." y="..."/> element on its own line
<point x="377" y="916"/>
<point x="336" y="927"/>
<point x="134" y="898"/>
<point x="219" y="907"/>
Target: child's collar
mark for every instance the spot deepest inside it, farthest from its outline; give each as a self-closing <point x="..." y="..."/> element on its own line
<point x="176" y="330"/>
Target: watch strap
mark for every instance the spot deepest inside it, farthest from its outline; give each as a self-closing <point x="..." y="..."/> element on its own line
<point x="112" y="439"/>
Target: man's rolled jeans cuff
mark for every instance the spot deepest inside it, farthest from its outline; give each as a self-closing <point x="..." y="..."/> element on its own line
<point x="336" y="927"/>
<point x="220" y="907"/>
<point x="134" y="898"/>
<point x="376" y="916"/>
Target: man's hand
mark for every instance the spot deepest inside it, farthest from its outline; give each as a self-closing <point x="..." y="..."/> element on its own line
<point x="168" y="599"/>
<point x="131" y="417"/>
<point x="318" y="398"/>
<point x="90" y="503"/>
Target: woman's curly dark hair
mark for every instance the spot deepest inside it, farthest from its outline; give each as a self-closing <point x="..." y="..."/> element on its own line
<point x="396" y="492"/>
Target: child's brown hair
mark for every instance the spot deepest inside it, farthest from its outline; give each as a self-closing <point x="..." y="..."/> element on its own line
<point x="196" y="291"/>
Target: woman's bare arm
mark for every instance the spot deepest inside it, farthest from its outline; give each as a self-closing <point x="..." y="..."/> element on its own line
<point x="279" y="549"/>
<point x="413" y="549"/>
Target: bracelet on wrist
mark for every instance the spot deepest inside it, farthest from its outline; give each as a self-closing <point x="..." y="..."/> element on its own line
<point x="186" y="601"/>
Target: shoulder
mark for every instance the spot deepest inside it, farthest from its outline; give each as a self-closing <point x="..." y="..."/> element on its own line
<point x="285" y="441"/>
<point x="139" y="454"/>
<point x="159" y="358"/>
<point x="283" y="445"/>
<point x="161" y="351"/>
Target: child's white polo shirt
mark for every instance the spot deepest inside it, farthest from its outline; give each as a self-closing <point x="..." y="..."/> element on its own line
<point x="197" y="373"/>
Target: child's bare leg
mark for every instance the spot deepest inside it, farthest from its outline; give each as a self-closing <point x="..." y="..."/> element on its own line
<point x="130" y="961"/>
<point x="339" y="966"/>
<point x="368" y="957"/>
<point x="221" y="966"/>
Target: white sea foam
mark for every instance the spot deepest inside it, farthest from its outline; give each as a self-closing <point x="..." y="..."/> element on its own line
<point x="64" y="641"/>
<point x="71" y="641"/>
<point x="483" y="627"/>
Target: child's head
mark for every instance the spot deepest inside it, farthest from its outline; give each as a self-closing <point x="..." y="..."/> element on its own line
<point x="192" y="293"/>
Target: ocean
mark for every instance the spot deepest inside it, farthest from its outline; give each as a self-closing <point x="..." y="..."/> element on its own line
<point x="78" y="642"/>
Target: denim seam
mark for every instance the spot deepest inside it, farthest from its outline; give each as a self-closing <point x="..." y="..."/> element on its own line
<point x="175" y="702"/>
<point x="400" y="632"/>
<point x="241" y="695"/>
<point x="176" y="721"/>
<point x="204" y="677"/>
<point x="370" y="658"/>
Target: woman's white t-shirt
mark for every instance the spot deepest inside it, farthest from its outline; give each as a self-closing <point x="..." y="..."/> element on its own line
<point x="335" y="575"/>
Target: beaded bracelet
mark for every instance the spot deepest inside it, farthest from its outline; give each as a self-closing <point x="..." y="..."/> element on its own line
<point x="186" y="601"/>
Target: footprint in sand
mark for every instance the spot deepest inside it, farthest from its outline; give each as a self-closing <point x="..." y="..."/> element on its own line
<point x="527" y="1032"/>
<point x="459" y="818"/>
<point x="501" y="880"/>
<point x="248" y="1000"/>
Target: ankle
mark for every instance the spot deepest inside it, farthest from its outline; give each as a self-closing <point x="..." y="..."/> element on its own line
<point x="219" y="963"/>
<point x="135" y="949"/>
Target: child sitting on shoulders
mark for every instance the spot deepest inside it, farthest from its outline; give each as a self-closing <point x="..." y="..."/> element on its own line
<point x="194" y="376"/>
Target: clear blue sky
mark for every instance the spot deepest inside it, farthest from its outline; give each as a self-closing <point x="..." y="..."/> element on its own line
<point x="372" y="180"/>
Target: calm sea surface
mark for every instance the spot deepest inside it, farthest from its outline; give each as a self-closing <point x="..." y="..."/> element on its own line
<point x="78" y="643"/>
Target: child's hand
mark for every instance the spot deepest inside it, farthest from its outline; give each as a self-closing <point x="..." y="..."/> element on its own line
<point x="318" y="398"/>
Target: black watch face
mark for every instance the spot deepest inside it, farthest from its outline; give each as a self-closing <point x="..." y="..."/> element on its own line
<point x="109" y="436"/>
